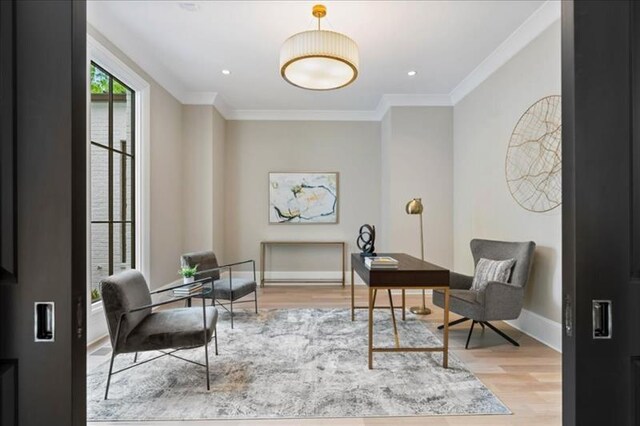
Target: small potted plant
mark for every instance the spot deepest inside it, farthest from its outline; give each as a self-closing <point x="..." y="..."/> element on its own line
<point x="188" y="273"/>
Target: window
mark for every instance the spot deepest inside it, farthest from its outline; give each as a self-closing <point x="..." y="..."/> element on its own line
<point x="112" y="169"/>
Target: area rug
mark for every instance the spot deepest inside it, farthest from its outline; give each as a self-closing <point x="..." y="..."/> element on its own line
<point x="294" y="363"/>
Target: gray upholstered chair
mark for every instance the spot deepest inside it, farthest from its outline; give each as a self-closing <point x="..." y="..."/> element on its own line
<point x="134" y="326"/>
<point x="499" y="301"/>
<point x="231" y="288"/>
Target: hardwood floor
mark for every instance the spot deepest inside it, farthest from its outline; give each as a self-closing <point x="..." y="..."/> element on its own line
<point x="527" y="379"/>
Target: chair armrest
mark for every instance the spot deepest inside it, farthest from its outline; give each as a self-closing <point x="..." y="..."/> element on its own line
<point x="229" y="265"/>
<point x="459" y="281"/>
<point x="162" y="290"/>
<point x="502" y="301"/>
<point x="166" y="302"/>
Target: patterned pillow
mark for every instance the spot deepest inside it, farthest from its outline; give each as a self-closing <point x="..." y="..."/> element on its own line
<point x="491" y="270"/>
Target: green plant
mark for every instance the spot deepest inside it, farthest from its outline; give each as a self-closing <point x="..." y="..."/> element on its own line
<point x="187" y="272"/>
<point x="95" y="295"/>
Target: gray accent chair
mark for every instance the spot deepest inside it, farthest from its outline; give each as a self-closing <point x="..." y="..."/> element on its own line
<point x="499" y="301"/>
<point x="134" y="326"/>
<point x="230" y="289"/>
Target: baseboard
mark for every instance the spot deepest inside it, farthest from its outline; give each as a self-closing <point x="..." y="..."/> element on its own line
<point x="540" y="328"/>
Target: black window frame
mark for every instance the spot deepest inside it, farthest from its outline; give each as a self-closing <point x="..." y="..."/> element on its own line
<point x="131" y="200"/>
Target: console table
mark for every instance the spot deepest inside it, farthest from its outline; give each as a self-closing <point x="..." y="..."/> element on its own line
<point x="412" y="273"/>
<point x="263" y="261"/>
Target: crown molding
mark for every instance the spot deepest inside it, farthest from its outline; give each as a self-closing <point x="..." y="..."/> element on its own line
<point x="301" y="115"/>
<point x="540" y="20"/>
<point x="399" y="100"/>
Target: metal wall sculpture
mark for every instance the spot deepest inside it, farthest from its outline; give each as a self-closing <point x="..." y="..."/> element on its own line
<point x="533" y="166"/>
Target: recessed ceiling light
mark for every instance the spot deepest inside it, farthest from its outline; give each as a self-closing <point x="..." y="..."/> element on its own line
<point x="188" y="6"/>
<point x="226" y="72"/>
<point x="412" y="73"/>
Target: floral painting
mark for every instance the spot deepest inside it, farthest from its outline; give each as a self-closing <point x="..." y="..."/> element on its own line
<point x="303" y="197"/>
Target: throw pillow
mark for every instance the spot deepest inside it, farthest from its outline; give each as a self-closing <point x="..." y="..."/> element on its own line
<point x="491" y="270"/>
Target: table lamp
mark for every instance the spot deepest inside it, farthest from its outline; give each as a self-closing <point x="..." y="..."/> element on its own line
<point x="415" y="207"/>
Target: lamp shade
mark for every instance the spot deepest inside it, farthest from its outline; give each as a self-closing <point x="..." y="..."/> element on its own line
<point x="414" y="206"/>
<point x="319" y="60"/>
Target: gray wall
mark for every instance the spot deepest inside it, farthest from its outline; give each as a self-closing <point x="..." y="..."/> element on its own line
<point x="255" y="148"/>
<point x="417" y="162"/>
<point x="483" y="206"/>
<point x="203" y="139"/>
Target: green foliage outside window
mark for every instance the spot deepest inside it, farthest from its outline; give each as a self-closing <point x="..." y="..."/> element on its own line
<point x="100" y="83"/>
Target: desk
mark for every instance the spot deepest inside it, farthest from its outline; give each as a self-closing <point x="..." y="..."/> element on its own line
<point x="412" y="273"/>
<point x="263" y="261"/>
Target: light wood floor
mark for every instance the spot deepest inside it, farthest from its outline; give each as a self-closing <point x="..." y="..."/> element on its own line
<point x="527" y="379"/>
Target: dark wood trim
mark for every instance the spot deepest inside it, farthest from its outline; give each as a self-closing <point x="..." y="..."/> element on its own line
<point x="79" y="212"/>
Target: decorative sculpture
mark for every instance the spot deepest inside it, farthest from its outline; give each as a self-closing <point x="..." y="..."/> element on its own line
<point x="533" y="166"/>
<point x="366" y="240"/>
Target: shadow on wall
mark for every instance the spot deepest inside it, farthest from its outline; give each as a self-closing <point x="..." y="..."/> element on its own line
<point x="542" y="282"/>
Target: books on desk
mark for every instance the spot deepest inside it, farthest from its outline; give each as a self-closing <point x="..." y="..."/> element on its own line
<point x="187" y="290"/>
<point x="381" y="262"/>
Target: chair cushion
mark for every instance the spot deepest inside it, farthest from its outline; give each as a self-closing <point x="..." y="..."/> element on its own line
<point x="491" y="270"/>
<point x="240" y="287"/>
<point x="461" y="302"/>
<point x="205" y="261"/>
<point x="171" y="328"/>
<point x="120" y="293"/>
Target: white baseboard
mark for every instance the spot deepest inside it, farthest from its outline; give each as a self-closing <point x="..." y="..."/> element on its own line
<point x="540" y="328"/>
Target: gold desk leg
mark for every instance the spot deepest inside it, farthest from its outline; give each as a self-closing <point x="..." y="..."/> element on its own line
<point x="371" y="302"/>
<point x="344" y="258"/>
<point x="262" y="256"/>
<point x="393" y="318"/>
<point x="375" y="294"/>
<point x="353" y="303"/>
<point x="404" y="309"/>
<point x="445" y="354"/>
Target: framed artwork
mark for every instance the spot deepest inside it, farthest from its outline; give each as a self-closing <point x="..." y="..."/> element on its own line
<point x="303" y="198"/>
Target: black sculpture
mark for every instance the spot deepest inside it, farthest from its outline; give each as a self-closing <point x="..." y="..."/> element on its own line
<point x="366" y="240"/>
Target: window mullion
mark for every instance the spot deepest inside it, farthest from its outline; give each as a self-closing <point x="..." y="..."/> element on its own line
<point x="110" y="175"/>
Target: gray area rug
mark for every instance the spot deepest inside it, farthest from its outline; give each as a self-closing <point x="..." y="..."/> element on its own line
<point x="292" y="363"/>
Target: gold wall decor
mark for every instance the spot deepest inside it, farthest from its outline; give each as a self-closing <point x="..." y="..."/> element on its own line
<point x="533" y="166"/>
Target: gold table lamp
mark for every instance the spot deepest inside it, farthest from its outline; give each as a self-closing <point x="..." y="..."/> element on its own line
<point x="415" y="207"/>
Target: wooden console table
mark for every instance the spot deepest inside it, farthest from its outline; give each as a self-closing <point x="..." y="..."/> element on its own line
<point x="263" y="258"/>
<point x="411" y="274"/>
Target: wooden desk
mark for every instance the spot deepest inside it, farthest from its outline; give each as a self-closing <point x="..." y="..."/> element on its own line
<point x="412" y="273"/>
<point x="263" y="261"/>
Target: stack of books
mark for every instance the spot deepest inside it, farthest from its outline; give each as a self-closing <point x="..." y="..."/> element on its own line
<point x="187" y="290"/>
<point x="381" y="262"/>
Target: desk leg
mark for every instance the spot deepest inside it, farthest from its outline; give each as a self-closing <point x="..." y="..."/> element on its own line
<point x="393" y="318"/>
<point x="344" y="256"/>
<point x="371" y="302"/>
<point x="353" y="303"/>
<point x="445" y="354"/>
<point x="262" y="265"/>
<point x="404" y="307"/>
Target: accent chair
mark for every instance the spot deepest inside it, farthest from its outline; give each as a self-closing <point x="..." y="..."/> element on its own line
<point x="230" y="289"/>
<point x="498" y="301"/>
<point x="134" y="326"/>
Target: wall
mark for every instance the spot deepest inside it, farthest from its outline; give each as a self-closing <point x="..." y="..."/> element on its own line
<point x="255" y="148"/>
<point x="417" y="161"/>
<point x="203" y="136"/>
<point x="483" y="207"/>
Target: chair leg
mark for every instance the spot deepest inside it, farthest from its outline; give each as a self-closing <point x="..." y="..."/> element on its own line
<point x="206" y="343"/>
<point x="113" y="356"/>
<point x="135" y="358"/>
<point x="215" y="337"/>
<point x="256" y="299"/>
<point x="452" y="323"/>
<point x="469" y="336"/>
<point x="503" y="335"/>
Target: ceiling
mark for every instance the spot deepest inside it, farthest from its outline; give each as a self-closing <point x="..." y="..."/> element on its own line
<point x="186" y="51"/>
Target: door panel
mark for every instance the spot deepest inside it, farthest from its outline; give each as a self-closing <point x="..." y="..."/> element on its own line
<point x="601" y="211"/>
<point x="47" y="122"/>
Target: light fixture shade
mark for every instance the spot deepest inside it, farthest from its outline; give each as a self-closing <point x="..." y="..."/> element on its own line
<point x="414" y="206"/>
<point x="319" y="60"/>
